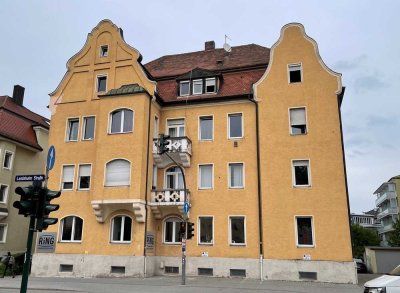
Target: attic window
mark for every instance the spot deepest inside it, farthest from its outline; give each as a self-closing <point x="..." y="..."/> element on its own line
<point x="104" y="51"/>
<point x="294" y="73"/>
<point x="210" y="85"/>
<point x="198" y="86"/>
<point x="185" y="88"/>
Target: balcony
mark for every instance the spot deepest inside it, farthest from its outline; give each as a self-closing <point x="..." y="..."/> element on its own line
<point x="385" y="197"/>
<point x="385" y="229"/>
<point x="167" y="201"/>
<point x="180" y="149"/>
<point x="387" y="212"/>
<point x="104" y="208"/>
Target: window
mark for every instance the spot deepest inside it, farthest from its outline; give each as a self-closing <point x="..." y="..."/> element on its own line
<point x="3" y="193"/>
<point x="197" y="87"/>
<point x="206" y="230"/>
<point x="104" y="51"/>
<point x="3" y="233"/>
<point x="73" y="127"/>
<point x="237" y="231"/>
<point x="121" y="121"/>
<point x="294" y="73"/>
<point x="304" y="231"/>
<point x="298" y="123"/>
<point x="172" y="233"/>
<point x="121" y="228"/>
<point x="155" y="130"/>
<point x="176" y="127"/>
<point x="118" y="173"/>
<point x="236" y="178"/>
<point x="210" y="85"/>
<point x="205" y="176"/>
<point x="235" y="125"/>
<point x="8" y="158"/>
<point x="71" y="229"/>
<point x="184" y="88"/>
<point x="101" y="83"/>
<point x="88" y="128"/>
<point x="206" y="128"/>
<point x="154" y="178"/>
<point x="68" y="178"/>
<point x="301" y="173"/>
<point x="173" y="178"/>
<point x="84" y="176"/>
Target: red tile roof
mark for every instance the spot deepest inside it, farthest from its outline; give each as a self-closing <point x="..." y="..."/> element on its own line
<point x="17" y="122"/>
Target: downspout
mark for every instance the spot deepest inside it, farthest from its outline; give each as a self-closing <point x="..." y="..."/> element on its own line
<point x="260" y="222"/>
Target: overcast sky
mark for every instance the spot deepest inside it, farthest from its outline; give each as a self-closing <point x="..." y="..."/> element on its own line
<point x="359" y="39"/>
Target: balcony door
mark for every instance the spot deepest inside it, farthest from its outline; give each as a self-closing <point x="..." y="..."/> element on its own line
<point x="173" y="178"/>
<point x="176" y="127"/>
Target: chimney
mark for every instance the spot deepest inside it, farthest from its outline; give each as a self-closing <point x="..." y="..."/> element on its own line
<point x="18" y="94"/>
<point x="210" y="45"/>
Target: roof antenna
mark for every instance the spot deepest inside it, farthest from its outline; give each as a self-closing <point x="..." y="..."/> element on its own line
<point x="226" y="46"/>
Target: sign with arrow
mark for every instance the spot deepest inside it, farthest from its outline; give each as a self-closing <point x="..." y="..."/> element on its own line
<point x="51" y="158"/>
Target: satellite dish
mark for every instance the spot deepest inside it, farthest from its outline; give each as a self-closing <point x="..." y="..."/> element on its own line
<point x="227" y="47"/>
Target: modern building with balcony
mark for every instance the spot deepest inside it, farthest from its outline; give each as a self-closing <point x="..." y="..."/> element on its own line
<point x="247" y="148"/>
<point x="367" y="220"/>
<point x="388" y="207"/>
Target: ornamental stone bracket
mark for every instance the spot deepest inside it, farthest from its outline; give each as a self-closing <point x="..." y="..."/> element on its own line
<point x="104" y="208"/>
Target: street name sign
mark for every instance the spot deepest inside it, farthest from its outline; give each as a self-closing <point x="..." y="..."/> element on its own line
<point x="25" y="178"/>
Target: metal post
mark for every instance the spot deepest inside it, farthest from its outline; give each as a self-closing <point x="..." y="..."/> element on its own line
<point x="28" y="256"/>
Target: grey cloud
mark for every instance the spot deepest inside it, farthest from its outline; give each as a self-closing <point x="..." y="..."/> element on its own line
<point x="367" y="83"/>
<point x="357" y="62"/>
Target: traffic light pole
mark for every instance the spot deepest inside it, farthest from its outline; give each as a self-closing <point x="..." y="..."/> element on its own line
<point x="28" y="256"/>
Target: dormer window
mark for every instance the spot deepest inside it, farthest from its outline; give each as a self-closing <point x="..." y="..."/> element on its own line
<point x="210" y="85"/>
<point x="184" y="88"/>
<point x="197" y="87"/>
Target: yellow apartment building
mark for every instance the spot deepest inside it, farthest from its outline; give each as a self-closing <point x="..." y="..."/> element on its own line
<point x="258" y="133"/>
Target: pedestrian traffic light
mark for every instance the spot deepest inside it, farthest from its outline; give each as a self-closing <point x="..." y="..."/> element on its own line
<point x="27" y="205"/>
<point x="163" y="144"/>
<point x="190" y="230"/>
<point x="182" y="229"/>
<point x="45" y="208"/>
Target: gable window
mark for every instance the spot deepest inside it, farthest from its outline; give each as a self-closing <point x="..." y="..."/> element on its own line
<point x="304" y="231"/>
<point x="3" y="193"/>
<point x="206" y="230"/>
<point x="72" y="131"/>
<point x="236" y="175"/>
<point x="176" y="127"/>
<point x="184" y="88"/>
<point x="121" y="121"/>
<point x="68" y="178"/>
<point x="118" y="173"/>
<point x="8" y="157"/>
<point x="206" y="128"/>
<point x="88" y="128"/>
<point x="235" y="125"/>
<point x="172" y="233"/>
<point x="205" y="176"/>
<point x="237" y="230"/>
<point x="301" y="173"/>
<point x="197" y="87"/>
<point x="121" y="229"/>
<point x="71" y="229"/>
<point x="101" y="83"/>
<point x="3" y="232"/>
<point x="294" y="73"/>
<point x="298" y="123"/>
<point x="104" y="51"/>
<point x="84" y="176"/>
<point x="211" y="85"/>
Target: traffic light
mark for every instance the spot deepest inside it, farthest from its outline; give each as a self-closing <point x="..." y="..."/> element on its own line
<point x="27" y="205"/>
<point x="190" y="230"/>
<point x="45" y="208"/>
<point x="182" y="229"/>
<point x="163" y="144"/>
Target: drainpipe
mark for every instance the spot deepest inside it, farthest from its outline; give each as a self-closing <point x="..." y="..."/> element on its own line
<point x="260" y="222"/>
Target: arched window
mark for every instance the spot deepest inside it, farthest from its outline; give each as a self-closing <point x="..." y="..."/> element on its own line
<point x="173" y="178"/>
<point x="121" y="229"/>
<point x="172" y="228"/>
<point x="118" y="173"/>
<point x="71" y="229"/>
<point x="121" y="121"/>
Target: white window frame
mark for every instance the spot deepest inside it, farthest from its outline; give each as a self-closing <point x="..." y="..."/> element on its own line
<point x="122" y="229"/>
<point x="294" y="173"/>
<point x="173" y="230"/>
<point x="212" y="128"/>
<point x="154" y="180"/>
<point x="122" y="121"/>
<point x="102" y="52"/>
<point x="229" y="125"/>
<point x="156" y="126"/>
<point x="199" y="231"/>
<point x="229" y="176"/>
<point x="97" y="82"/>
<point x="199" y="176"/>
<point x="4" y="240"/>
<point x="215" y="85"/>
<point x="305" y="117"/>
<point x="312" y="229"/>
<point x="175" y="174"/>
<point x="79" y="176"/>
<point x="9" y="167"/>
<point x="68" y="130"/>
<point x="62" y="177"/>
<point x="293" y="65"/>
<point x="198" y="81"/>
<point x="180" y="88"/>
<point x="105" y="173"/>
<point x="61" y="228"/>
<point x="7" y="189"/>
<point x="230" y="232"/>
<point x="84" y="119"/>
<point x="176" y="126"/>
